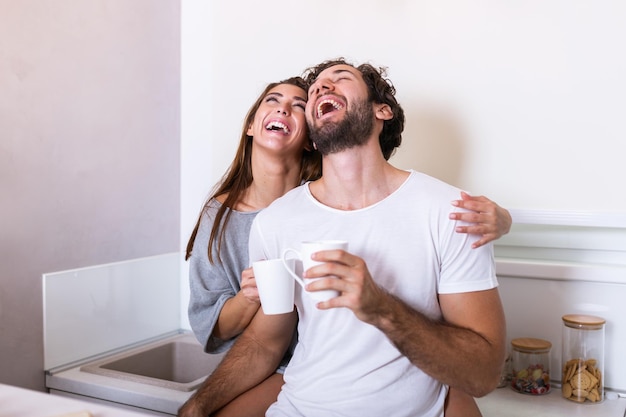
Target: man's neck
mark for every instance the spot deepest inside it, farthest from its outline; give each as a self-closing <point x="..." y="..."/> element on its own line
<point x="356" y="178"/>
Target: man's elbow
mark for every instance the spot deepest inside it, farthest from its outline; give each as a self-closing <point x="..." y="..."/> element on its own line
<point x="482" y="388"/>
<point x="490" y="379"/>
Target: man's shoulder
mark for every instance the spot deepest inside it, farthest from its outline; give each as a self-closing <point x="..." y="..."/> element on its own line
<point x="295" y="194"/>
<point x="431" y="184"/>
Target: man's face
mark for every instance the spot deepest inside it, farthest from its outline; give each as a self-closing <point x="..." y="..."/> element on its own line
<point x="339" y="113"/>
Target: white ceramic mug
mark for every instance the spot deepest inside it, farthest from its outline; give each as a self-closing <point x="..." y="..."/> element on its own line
<point x="275" y="284"/>
<point x="306" y="250"/>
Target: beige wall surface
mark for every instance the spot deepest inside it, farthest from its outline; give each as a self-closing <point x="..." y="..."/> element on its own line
<point x="89" y="150"/>
<point x="519" y="100"/>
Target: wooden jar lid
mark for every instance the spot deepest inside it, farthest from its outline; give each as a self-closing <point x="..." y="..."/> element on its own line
<point x="582" y="321"/>
<point x="530" y="344"/>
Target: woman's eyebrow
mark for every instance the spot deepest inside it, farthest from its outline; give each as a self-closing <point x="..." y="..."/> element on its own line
<point x="276" y="93"/>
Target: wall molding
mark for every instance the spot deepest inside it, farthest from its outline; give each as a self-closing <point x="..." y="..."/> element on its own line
<point x="560" y="271"/>
<point x="570" y="218"/>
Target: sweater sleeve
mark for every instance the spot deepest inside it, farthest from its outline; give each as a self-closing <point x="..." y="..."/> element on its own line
<point x="211" y="285"/>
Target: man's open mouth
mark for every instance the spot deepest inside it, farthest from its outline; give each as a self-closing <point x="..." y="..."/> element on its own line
<point x="326" y="106"/>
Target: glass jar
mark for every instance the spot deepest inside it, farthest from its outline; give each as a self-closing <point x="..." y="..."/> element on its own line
<point x="583" y="358"/>
<point x="531" y="365"/>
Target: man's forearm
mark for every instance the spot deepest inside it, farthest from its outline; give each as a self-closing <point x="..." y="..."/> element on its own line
<point x="228" y="381"/>
<point x="457" y="356"/>
<point x="254" y="356"/>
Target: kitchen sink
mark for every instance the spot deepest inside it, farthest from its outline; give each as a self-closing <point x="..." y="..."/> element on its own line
<point x="178" y="363"/>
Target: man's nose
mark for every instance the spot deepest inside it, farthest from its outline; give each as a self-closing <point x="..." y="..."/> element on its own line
<point x="322" y="85"/>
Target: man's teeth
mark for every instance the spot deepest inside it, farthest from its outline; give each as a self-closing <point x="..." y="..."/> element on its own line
<point x="326" y="106"/>
<point x="277" y="126"/>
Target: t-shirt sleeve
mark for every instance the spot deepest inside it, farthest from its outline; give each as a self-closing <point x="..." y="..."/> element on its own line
<point x="464" y="269"/>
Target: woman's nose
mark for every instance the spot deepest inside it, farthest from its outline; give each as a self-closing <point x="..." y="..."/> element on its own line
<point x="283" y="111"/>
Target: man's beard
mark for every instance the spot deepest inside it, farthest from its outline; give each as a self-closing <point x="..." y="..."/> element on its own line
<point x="352" y="131"/>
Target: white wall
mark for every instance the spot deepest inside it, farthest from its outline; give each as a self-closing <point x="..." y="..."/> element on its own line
<point x="521" y="101"/>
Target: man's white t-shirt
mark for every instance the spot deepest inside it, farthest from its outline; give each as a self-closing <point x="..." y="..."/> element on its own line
<point x="341" y="365"/>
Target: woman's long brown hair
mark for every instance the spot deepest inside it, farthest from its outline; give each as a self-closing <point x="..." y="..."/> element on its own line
<point x="238" y="176"/>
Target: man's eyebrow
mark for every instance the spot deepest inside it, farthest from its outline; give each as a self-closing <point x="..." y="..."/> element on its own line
<point x="340" y="70"/>
<point x="335" y="72"/>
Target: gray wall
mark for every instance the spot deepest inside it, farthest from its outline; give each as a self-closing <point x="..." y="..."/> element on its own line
<point x="89" y="150"/>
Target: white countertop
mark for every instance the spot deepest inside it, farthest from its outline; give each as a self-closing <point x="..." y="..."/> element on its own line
<point x="504" y="402"/>
<point x="20" y="402"/>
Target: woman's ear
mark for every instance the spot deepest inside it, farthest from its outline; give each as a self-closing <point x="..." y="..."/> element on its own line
<point x="383" y="111"/>
<point x="249" y="131"/>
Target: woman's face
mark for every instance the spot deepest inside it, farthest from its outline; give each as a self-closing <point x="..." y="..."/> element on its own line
<point x="279" y="122"/>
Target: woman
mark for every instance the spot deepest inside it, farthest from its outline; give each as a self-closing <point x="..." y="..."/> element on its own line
<point x="274" y="156"/>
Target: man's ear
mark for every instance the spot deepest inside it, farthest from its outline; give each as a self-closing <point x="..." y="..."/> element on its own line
<point x="383" y="111"/>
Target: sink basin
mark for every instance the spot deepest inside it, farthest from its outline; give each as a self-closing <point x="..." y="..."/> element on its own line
<point x="177" y="363"/>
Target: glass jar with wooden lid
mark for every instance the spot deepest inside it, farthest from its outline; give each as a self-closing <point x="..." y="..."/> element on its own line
<point x="531" y="365"/>
<point x="583" y="358"/>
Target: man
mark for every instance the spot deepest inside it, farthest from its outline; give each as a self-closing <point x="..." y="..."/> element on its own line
<point x="418" y="310"/>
